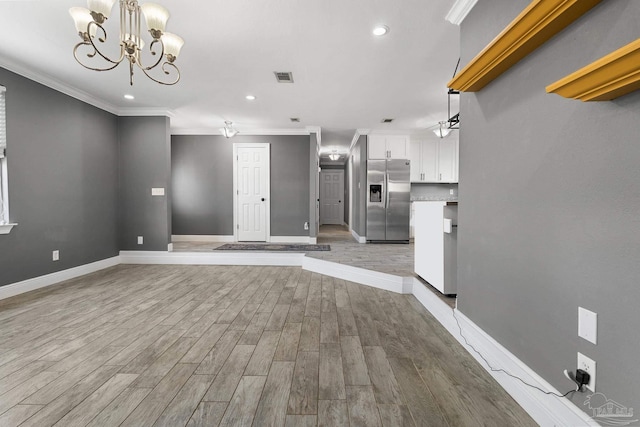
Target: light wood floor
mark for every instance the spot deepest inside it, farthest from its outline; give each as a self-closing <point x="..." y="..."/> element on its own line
<point x="235" y="346"/>
<point x="391" y="258"/>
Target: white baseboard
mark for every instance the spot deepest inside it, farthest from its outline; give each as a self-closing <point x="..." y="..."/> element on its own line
<point x="376" y="279"/>
<point x="313" y="240"/>
<point x="546" y="410"/>
<point x="57" y="277"/>
<point x="213" y="258"/>
<point x="357" y="237"/>
<point x="290" y="239"/>
<point x="202" y="238"/>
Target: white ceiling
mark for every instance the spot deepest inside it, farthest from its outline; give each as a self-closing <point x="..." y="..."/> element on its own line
<point x="345" y="77"/>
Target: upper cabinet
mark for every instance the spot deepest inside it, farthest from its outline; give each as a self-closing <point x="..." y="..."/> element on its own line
<point x="434" y="160"/>
<point x="382" y="147"/>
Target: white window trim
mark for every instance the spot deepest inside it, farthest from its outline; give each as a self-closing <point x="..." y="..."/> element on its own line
<point x="5" y="224"/>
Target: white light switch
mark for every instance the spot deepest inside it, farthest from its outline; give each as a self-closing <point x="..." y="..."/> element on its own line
<point x="157" y="191"/>
<point x="56" y="255"/>
<point x="140" y="240"/>
<point x="587" y="325"/>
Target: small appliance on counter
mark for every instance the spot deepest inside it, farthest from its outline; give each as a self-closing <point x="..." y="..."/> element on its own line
<point x="388" y="200"/>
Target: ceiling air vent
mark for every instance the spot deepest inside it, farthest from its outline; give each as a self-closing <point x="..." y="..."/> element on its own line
<point x="387" y="120"/>
<point x="295" y="119"/>
<point x="283" y="76"/>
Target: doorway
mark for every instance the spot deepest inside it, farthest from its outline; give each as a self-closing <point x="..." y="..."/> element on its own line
<point x="252" y="205"/>
<point x="331" y="197"/>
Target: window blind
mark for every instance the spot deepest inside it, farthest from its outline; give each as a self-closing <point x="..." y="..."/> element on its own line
<point x="3" y="122"/>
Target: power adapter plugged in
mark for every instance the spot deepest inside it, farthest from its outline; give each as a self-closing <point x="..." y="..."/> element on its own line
<point x="582" y="377"/>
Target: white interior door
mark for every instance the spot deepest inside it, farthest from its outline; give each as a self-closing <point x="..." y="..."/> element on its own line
<point x="252" y="192"/>
<point x="331" y="197"/>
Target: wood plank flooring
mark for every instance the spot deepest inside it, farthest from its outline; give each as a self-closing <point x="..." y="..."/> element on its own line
<point x="235" y="346"/>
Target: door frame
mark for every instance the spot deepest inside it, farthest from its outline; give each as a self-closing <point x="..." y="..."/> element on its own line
<point x="235" y="187"/>
<point x="341" y="172"/>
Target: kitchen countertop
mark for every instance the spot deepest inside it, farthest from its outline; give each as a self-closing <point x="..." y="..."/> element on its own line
<point x="448" y="200"/>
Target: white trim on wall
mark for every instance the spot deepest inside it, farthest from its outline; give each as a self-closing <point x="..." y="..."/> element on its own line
<point x="460" y="10"/>
<point x="291" y="239"/>
<point x="259" y="132"/>
<point x="202" y="238"/>
<point x="357" y="237"/>
<point x="57" y="277"/>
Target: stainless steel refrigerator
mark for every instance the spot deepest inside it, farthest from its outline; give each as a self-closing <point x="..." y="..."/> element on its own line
<point x="388" y="200"/>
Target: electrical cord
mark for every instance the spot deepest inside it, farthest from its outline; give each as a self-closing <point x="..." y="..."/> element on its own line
<point x="491" y="368"/>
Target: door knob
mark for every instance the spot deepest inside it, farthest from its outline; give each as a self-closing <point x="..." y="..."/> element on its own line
<point x="339" y="201"/>
<point x="262" y="199"/>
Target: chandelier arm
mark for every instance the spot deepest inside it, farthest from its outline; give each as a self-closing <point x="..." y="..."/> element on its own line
<point x="103" y="40"/>
<point x="91" y="55"/>
<point x="139" y="62"/>
<point x="144" y="70"/>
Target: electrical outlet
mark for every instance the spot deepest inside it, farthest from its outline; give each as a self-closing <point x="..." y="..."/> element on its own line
<point x="56" y="255"/>
<point x="140" y="240"/>
<point x="589" y="366"/>
<point x="451" y="191"/>
<point x="306" y="225"/>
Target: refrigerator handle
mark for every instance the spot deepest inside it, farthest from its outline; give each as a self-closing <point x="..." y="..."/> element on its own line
<point x="386" y="190"/>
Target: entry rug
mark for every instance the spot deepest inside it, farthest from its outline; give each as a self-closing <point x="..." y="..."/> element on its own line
<point x="272" y="247"/>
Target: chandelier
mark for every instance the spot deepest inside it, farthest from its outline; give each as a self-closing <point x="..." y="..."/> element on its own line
<point x="333" y="156"/>
<point x="165" y="46"/>
<point x="228" y="130"/>
<point x="442" y="130"/>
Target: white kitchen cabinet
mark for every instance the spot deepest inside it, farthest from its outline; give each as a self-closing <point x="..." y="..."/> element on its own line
<point x="382" y="147"/>
<point x="434" y="160"/>
<point x="424" y="161"/>
<point x="448" y="160"/>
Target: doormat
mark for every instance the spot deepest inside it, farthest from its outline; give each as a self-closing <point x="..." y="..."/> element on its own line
<point x="272" y="247"/>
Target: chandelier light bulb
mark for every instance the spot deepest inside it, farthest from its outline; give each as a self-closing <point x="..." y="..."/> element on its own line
<point x="156" y="17"/>
<point x="172" y="45"/>
<point x="102" y="7"/>
<point x="82" y="18"/>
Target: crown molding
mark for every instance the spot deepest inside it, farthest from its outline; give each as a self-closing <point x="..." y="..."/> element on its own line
<point x="356" y="136"/>
<point x="460" y="10"/>
<point x="318" y="132"/>
<point x="59" y="86"/>
<point x="262" y="132"/>
<point x="537" y="23"/>
<point x="610" y="77"/>
<point x="151" y="111"/>
<point x="389" y="132"/>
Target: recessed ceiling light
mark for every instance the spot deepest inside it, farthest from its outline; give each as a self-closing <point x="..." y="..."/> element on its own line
<point x="250" y="97"/>
<point x="380" y="30"/>
<point x="129" y="96"/>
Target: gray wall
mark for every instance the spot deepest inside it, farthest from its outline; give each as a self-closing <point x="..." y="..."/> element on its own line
<point x="63" y="182"/>
<point x="549" y="201"/>
<point x="358" y="159"/>
<point x="202" y="183"/>
<point x="144" y="163"/>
